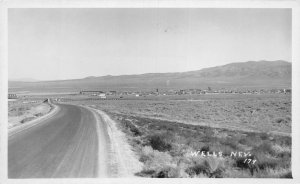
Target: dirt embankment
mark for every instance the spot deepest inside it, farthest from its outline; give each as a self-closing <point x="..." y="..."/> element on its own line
<point x="123" y="161"/>
<point x="23" y="112"/>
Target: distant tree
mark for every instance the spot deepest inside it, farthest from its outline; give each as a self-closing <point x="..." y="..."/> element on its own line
<point x="209" y="88"/>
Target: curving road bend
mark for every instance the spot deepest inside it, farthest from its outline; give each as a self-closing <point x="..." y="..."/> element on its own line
<point x="69" y="144"/>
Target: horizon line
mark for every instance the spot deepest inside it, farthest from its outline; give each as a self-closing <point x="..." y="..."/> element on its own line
<point x="108" y="75"/>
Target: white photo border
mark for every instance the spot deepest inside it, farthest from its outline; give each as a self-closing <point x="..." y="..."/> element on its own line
<point x="292" y="4"/>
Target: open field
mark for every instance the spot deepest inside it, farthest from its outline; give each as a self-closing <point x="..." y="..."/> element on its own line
<point x="170" y="149"/>
<point x="264" y="113"/>
<point x="178" y="136"/>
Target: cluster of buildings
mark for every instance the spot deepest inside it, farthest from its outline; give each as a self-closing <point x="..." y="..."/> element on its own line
<point x="12" y="96"/>
<point x="104" y="94"/>
<point x="233" y="91"/>
<point x="101" y="94"/>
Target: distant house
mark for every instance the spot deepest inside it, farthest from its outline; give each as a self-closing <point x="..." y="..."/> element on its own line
<point x="12" y="96"/>
<point x="102" y="95"/>
<point x="93" y="93"/>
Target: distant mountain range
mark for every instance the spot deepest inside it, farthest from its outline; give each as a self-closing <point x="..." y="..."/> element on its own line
<point x="251" y="74"/>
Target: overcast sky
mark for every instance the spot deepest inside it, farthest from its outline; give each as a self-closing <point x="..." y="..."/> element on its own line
<point x="50" y="44"/>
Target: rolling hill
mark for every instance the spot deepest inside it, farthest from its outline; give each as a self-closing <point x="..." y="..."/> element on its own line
<point x="251" y="74"/>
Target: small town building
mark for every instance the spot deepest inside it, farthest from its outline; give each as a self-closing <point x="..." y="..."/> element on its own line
<point x="12" y="96"/>
<point x="102" y="95"/>
<point x="92" y="93"/>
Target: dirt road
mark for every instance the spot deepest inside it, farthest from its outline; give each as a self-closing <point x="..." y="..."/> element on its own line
<point x="73" y="143"/>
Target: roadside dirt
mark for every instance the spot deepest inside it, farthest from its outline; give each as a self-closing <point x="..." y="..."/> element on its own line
<point x="123" y="161"/>
<point x="28" y="114"/>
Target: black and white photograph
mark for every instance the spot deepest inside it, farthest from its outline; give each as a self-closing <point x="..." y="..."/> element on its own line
<point x="149" y="92"/>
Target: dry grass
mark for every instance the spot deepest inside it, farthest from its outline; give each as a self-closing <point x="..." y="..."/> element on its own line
<point x="164" y="132"/>
<point x="164" y="148"/>
<point x="239" y="112"/>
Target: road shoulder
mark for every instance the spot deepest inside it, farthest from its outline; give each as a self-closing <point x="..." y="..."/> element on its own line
<point x="123" y="160"/>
